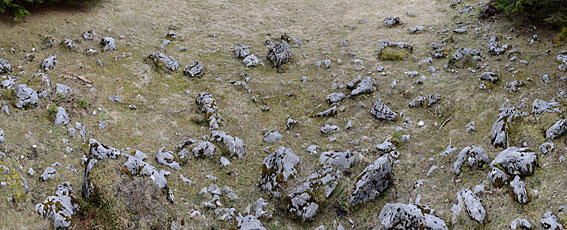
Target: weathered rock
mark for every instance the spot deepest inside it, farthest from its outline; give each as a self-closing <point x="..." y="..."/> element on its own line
<point x="518" y="191"/>
<point x="26" y="97"/>
<point x="495" y="47"/>
<point x="395" y="216"/>
<point x="290" y="122"/>
<point x="504" y="121"/>
<point x="5" y="66"/>
<point x="305" y="200"/>
<point x="89" y="35"/>
<point x="234" y="146"/>
<point x="327" y="129"/>
<point x="335" y="98"/>
<point x="417" y="102"/>
<point x="461" y="30"/>
<point x="416" y="29"/>
<point x="277" y="169"/>
<point x="374" y="180"/>
<point x="272" y="136"/>
<point x="391" y="21"/>
<point x="241" y="51"/>
<point x="61" y="118"/>
<point x="48" y="63"/>
<point x="498" y="177"/>
<point x="550" y="221"/>
<point x="204" y="149"/>
<point x="2" y="140"/>
<point x="329" y="112"/>
<point x="279" y="53"/>
<point x="521" y="224"/>
<point x="67" y="43"/>
<point x="340" y="159"/>
<point x="433" y="99"/>
<point x="108" y="43"/>
<point x="473" y="155"/>
<point x="516" y="161"/>
<point x="556" y="130"/>
<point x="167" y="158"/>
<point x="394" y="50"/>
<point x="60" y="208"/>
<point x="541" y="107"/>
<point x="547" y="147"/>
<point x="514" y="85"/>
<point x="386" y="146"/>
<point x="362" y="86"/>
<point x="382" y="112"/>
<point x="62" y="90"/>
<point x="489" y="76"/>
<point x="471" y="126"/>
<point x="194" y="69"/>
<point x="164" y="62"/>
<point x="325" y="63"/>
<point x="464" y="56"/>
<point x="562" y="59"/>
<point x="249" y="222"/>
<point x="48" y="173"/>
<point x="473" y="206"/>
<point x="252" y="61"/>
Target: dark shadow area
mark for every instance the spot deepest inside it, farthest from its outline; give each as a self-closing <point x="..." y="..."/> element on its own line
<point x="48" y="8"/>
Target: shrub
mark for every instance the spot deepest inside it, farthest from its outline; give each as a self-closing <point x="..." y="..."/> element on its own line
<point x="553" y="12"/>
<point x="18" y="7"/>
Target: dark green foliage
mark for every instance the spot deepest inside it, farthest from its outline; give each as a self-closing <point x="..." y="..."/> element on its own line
<point x="18" y="7"/>
<point x="553" y="12"/>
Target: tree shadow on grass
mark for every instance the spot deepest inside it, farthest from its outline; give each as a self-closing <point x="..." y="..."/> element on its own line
<point x="49" y="8"/>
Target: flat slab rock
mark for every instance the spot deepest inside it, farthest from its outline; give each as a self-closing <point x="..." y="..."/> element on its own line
<point x="397" y="216"/>
<point x="340" y="159"/>
<point x="277" y="169"/>
<point x="474" y="208"/>
<point x="374" y="180"/>
<point x="516" y="161"/>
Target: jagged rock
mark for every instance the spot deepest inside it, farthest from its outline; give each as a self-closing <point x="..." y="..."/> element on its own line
<point x="516" y="161"/>
<point x="391" y="21"/>
<point x="335" y="98"/>
<point x="416" y="29"/>
<point x="518" y="191"/>
<point x="82" y="131"/>
<point x="252" y="61"/>
<point x="550" y="221"/>
<point x="204" y="149"/>
<point x="473" y="155"/>
<point x="326" y="129"/>
<point x="195" y="69"/>
<point x="386" y="146"/>
<point x="108" y="43"/>
<point x="60" y="208"/>
<point x="433" y="99"/>
<point x="474" y="208"/>
<point x="556" y="130"/>
<point x="374" y="180"/>
<point x="417" y="102"/>
<point x="167" y="158"/>
<point x="48" y="63"/>
<point x="495" y="47"/>
<point x="272" y="136"/>
<point x="464" y="56"/>
<point x="61" y="118"/>
<point x="234" y="145"/>
<point x="2" y="140"/>
<point x="326" y="63"/>
<point x="489" y="76"/>
<point x="448" y="150"/>
<point x="89" y="35"/>
<point x="340" y="159"/>
<point x="261" y="209"/>
<point x="498" y="177"/>
<point x="329" y="112"/>
<point x="207" y="105"/>
<point x="395" y="216"/>
<point x="249" y="222"/>
<point x="382" y="112"/>
<point x="164" y="62"/>
<point x="279" y="53"/>
<point x="471" y="126"/>
<point x="5" y="66"/>
<point x="91" y="52"/>
<point x="277" y="169"/>
<point x="62" y="90"/>
<point x="361" y="86"/>
<point x="26" y="96"/>
<point x="521" y="224"/>
<point x="562" y="62"/>
<point x="241" y="51"/>
<point x="67" y="43"/>
<point x="499" y="134"/>
<point x="514" y="85"/>
<point x="304" y="201"/>
<point x="547" y="147"/>
<point x="48" y="173"/>
<point x="290" y="122"/>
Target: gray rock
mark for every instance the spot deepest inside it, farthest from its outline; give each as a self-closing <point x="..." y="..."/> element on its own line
<point x="386" y="146"/>
<point x="514" y="85"/>
<point x="272" y="136"/>
<point x="550" y="221"/>
<point x="374" y="180"/>
<point x="472" y="204"/>
<point x="329" y="112"/>
<point x="279" y="53"/>
<point x="224" y="162"/>
<point x="463" y="53"/>
<point x="164" y="62"/>
<point x="252" y="61"/>
<point x="61" y="118"/>
<point x="60" y="208"/>
<point x="5" y="66"/>
<point x="521" y="224"/>
<point x="241" y="51"/>
<point x="391" y="21"/>
<point x="167" y="158"/>
<point x="277" y="169"/>
<point x="516" y="161"/>
<point x="48" y="63"/>
<point x="545" y="78"/>
<point x="304" y="201"/>
<point x="67" y="43"/>
<point x="2" y="140"/>
<point x="91" y="52"/>
<point x="498" y="177"/>
<point x="382" y="112"/>
<point x="249" y="222"/>
<point x="325" y="63"/>
<point x="394" y="216"/>
<point x="234" y="145"/>
<point x="62" y="90"/>
<point x="556" y="130"/>
<point x="207" y="105"/>
<point x="312" y="149"/>
<point x="290" y="122"/>
<point x="89" y="35"/>
<point x="26" y="96"/>
<point x="417" y="29"/>
<point x="48" y="173"/>
<point x="462" y="30"/>
<point x="362" y="86"/>
<point x="417" y="102"/>
<point x="82" y="131"/>
<point x="547" y="147"/>
<point x="473" y="155"/>
<point x="327" y="129"/>
<point x="489" y="76"/>
<point x="260" y="208"/>
<point x="204" y="149"/>
<point x="194" y="69"/>
<point x="108" y="43"/>
<point x="339" y="159"/>
<point x="562" y="59"/>
<point x="518" y="191"/>
<point x="471" y="126"/>
<point x="499" y="134"/>
<point x="495" y="47"/>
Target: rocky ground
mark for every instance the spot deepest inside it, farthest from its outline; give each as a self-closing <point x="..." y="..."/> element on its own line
<point x="281" y="115"/>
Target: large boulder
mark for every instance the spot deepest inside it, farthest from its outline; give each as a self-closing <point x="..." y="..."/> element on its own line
<point x="60" y="208"/>
<point x="277" y="169"/>
<point x="279" y="53"/>
<point x="374" y="180"/>
<point x="233" y="146"/>
<point x="26" y="97"/>
<point x="516" y="161"/>
<point x="556" y="130"/>
<point x="473" y="155"/>
<point x="467" y="199"/>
